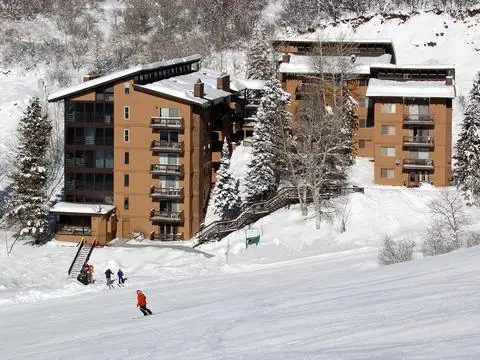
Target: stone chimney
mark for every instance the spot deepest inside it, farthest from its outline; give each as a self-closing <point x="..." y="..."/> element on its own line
<point x="198" y="89"/>
<point x="286" y="58"/>
<point x="449" y="81"/>
<point x="223" y="82"/>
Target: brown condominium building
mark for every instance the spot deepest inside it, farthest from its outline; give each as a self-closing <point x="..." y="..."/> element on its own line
<point x="404" y="111"/>
<point x="141" y="148"/>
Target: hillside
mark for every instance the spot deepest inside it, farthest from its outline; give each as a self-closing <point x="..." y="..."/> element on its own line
<point x="305" y="309"/>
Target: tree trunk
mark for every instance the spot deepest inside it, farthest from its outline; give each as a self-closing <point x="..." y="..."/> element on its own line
<point x="317" y="207"/>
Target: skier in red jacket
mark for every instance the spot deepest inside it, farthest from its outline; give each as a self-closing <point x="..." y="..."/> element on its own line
<point x="142" y="303"/>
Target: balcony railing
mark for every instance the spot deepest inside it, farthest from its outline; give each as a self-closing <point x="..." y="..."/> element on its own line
<point x="418" y="141"/>
<point x="166" y="146"/>
<point x="73" y="230"/>
<point x="418" y="120"/>
<point x="421" y="164"/>
<point x="157" y="192"/>
<point x="166" y="216"/>
<point x="165" y="237"/>
<point x="166" y="123"/>
<point x="162" y="169"/>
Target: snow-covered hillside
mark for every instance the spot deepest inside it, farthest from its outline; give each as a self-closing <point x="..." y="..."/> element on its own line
<point x="305" y="309"/>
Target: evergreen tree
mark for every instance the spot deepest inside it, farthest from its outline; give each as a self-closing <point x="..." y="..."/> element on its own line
<point x="260" y="55"/>
<point x="226" y="194"/>
<point x="272" y="119"/>
<point x="29" y="207"/>
<point x="466" y="173"/>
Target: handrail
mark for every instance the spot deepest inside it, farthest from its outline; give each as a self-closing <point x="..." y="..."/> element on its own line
<point x="90" y="251"/>
<point x="283" y="197"/>
<point x="80" y="246"/>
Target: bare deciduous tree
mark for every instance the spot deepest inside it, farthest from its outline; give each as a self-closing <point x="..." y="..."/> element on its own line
<point x="344" y="213"/>
<point x="395" y="251"/>
<point x="448" y="221"/>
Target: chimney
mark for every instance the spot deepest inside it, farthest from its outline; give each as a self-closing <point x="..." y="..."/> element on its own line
<point x="198" y="89"/>
<point x="449" y="81"/>
<point x="286" y="58"/>
<point x="90" y="77"/>
<point x="223" y="82"/>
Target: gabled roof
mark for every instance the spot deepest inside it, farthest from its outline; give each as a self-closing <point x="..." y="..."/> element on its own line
<point x="120" y="75"/>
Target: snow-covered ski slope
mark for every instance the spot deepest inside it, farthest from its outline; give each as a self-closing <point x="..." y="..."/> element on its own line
<point x="303" y="309"/>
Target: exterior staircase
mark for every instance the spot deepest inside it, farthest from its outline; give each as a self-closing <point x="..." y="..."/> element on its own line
<point x="217" y="230"/>
<point x="81" y="258"/>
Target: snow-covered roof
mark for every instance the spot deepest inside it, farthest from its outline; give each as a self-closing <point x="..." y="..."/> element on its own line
<point x="409" y="88"/>
<point x="304" y="64"/>
<point x="252" y="84"/>
<point x="315" y="38"/>
<point x="118" y="75"/>
<point x="181" y="86"/>
<point x="414" y="66"/>
<point x="77" y="208"/>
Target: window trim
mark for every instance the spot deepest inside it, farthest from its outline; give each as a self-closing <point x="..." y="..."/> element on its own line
<point x="126" y="180"/>
<point x="126" y="203"/>
<point x="126" y="158"/>
<point x="394" y="108"/>
<point x="126" y="112"/>
<point x="126" y="135"/>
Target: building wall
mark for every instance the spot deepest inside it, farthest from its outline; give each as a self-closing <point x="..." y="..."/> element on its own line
<point x="142" y="108"/>
<point x="440" y="153"/>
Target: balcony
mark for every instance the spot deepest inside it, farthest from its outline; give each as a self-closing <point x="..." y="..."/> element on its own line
<point x="162" y="169"/>
<point x="159" y="193"/>
<point x="417" y="164"/>
<point x="169" y="217"/>
<point x="418" y="141"/>
<point x="166" y="123"/>
<point x="166" y="146"/>
<point x="418" y="120"/>
<point x="165" y="237"/>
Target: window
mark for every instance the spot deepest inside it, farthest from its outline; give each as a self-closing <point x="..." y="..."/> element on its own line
<point x="109" y="159"/>
<point x="127" y="158"/>
<point x="99" y="179"/>
<point x="363" y="81"/>
<point x="387" y="151"/>
<point x="388" y="108"/>
<point x="126" y="112"/>
<point x="387" y="173"/>
<point x="170" y="112"/>
<point x="109" y="137"/>
<point x="126" y="180"/>
<point x="363" y="144"/>
<point x="363" y="102"/>
<point x="366" y="123"/>
<point x="99" y="133"/>
<point x="387" y="129"/>
<point x="90" y="136"/>
<point x="126" y="204"/>
<point x="99" y="159"/>
<point x="126" y="87"/>
<point x="126" y="135"/>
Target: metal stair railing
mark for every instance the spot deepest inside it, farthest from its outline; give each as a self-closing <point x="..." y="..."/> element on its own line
<point x="254" y="211"/>
<point x="80" y="247"/>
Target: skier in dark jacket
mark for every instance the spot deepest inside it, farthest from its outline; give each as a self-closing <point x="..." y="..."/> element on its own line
<point x="108" y="275"/>
<point x="121" y="279"/>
